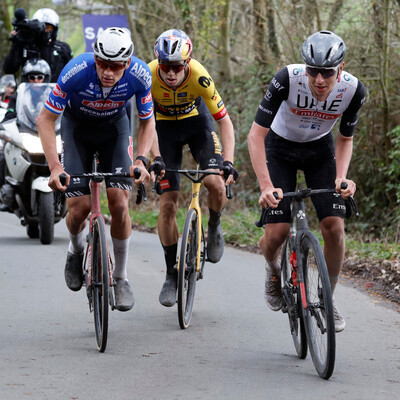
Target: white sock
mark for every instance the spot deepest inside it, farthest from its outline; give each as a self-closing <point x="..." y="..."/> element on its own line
<point x="274" y="266"/>
<point x="121" y="248"/>
<point x="77" y="243"/>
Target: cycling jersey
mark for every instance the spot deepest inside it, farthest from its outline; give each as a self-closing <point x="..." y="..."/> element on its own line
<point x="184" y="101"/>
<point x="78" y="88"/>
<point x="291" y="111"/>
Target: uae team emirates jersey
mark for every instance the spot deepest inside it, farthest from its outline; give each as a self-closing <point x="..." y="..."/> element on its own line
<point x="291" y="111"/>
<point x="184" y="101"/>
<point x="78" y="88"/>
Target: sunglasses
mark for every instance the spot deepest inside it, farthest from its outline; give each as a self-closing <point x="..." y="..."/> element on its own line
<point x="175" y="67"/>
<point x="325" y="72"/>
<point x="113" y="65"/>
<point x="32" y="77"/>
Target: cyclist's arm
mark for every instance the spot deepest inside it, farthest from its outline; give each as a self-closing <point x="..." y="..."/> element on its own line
<point x="256" y="144"/>
<point x="46" y="128"/>
<point x="227" y="137"/>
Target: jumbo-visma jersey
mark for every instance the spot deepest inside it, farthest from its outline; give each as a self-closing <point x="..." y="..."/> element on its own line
<point x="78" y="87"/>
<point x="182" y="103"/>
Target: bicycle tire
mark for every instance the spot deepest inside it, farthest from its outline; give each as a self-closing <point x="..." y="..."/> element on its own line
<point x="187" y="275"/>
<point x="100" y="283"/>
<point x="317" y="306"/>
<point x="292" y="301"/>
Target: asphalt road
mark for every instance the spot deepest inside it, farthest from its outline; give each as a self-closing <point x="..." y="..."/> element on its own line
<point x="235" y="348"/>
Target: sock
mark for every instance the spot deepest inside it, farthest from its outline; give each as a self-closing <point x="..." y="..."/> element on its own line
<point x="214" y="217"/>
<point x="333" y="280"/>
<point x="170" y="255"/>
<point x="121" y="247"/>
<point x="275" y="267"/>
<point x="76" y="244"/>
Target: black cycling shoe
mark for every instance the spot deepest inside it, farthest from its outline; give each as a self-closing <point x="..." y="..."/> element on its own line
<point x="168" y="292"/>
<point x="215" y="242"/>
<point x="73" y="272"/>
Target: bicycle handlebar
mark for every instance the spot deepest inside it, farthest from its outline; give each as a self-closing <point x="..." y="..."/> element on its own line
<point x="191" y="173"/>
<point x="303" y="194"/>
<point x="99" y="176"/>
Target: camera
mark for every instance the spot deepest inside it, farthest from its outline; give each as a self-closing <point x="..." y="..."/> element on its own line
<point x="28" y="31"/>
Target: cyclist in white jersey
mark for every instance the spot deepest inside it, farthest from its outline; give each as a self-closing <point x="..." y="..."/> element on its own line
<point x="292" y="131"/>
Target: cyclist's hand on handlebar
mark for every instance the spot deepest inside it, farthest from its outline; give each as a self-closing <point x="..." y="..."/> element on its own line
<point x="345" y="187"/>
<point x="144" y="175"/>
<point x="54" y="181"/>
<point x="229" y="172"/>
<point x="157" y="169"/>
<point x="270" y="197"/>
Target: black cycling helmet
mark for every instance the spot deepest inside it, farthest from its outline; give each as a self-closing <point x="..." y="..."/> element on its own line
<point x="36" y="66"/>
<point x="323" y="49"/>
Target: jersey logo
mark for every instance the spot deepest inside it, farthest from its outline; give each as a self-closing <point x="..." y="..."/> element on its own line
<point x="58" y="92"/>
<point x="165" y="184"/>
<point x="147" y="99"/>
<point x="204" y="81"/>
<point x="101" y="105"/>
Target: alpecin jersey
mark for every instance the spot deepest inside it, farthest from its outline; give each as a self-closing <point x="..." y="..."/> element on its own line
<point x="78" y="88"/>
<point x="291" y="111"/>
<point x="183" y="102"/>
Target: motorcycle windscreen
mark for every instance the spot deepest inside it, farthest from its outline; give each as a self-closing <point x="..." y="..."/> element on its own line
<point x="30" y="101"/>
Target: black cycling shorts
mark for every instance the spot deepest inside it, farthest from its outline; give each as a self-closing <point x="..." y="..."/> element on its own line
<point x="317" y="160"/>
<point x="198" y="132"/>
<point x="82" y="138"/>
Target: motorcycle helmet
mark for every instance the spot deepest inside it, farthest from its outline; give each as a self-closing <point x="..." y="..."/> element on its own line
<point x="48" y="16"/>
<point x="36" y="66"/>
<point x="7" y="81"/>
<point x="173" y="45"/>
<point x="323" y="49"/>
<point x="113" y="44"/>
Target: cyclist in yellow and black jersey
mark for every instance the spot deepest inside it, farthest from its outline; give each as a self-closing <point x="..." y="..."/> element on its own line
<point x="186" y="101"/>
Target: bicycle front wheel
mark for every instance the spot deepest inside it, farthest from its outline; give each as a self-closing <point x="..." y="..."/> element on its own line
<point x="292" y="299"/>
<point x="100" y="283"/>
<point x="187" y="275"/>
<point x="317" y="306"/>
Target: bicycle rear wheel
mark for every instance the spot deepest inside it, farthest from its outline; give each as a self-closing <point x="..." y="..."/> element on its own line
<point x="292" y="300"/>
<point x="187" y="275"/>
<point x="100" y="283"/>
<point x="317" y="306"/>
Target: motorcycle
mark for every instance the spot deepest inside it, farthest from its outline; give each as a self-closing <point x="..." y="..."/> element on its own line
<point x="26" y="191"/>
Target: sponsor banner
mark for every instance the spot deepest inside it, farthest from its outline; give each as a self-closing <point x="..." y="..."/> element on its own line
<point x="95" y="24"/>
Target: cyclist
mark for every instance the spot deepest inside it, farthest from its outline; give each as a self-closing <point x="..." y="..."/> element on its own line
<point x="292" y="130"/>
<point x="91" y="92"/>
<point x="185" y="101"/>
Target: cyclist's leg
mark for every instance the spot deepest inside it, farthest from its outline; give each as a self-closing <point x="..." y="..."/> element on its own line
<point x="320" y="172"/>
<point x="282" y="167"/>
<point x="115" y="156"/>
<point x="207" y="151"/>
<point x="76" y="159"/>
<point x="171" y="150"/>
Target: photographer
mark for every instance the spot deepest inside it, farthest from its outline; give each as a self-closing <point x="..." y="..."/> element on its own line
<point x="36" y="38"/>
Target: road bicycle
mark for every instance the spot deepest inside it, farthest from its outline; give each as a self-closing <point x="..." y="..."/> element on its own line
<point x="98" y="265"/>
<point x="193" y="248"/>
<point x="306" y="290"/>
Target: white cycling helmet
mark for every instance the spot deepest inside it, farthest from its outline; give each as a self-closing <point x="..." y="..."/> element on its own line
<point x="114" y="44"/>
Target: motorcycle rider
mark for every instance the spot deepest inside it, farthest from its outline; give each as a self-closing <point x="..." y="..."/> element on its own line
<point x="34" y="71"/>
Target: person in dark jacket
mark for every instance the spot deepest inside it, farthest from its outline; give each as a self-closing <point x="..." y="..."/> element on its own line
<point x="55" y="52"/>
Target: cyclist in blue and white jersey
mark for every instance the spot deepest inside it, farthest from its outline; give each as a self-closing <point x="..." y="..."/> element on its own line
<point x="91" y="93"/>
<point x="292" y="130"/>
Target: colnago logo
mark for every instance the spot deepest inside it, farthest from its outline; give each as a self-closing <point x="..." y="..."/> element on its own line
<point x="101" y="105"/>
<point x="73" y="71"/>
<point x="58" y="92"/>
<point x="141" y="73"/>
